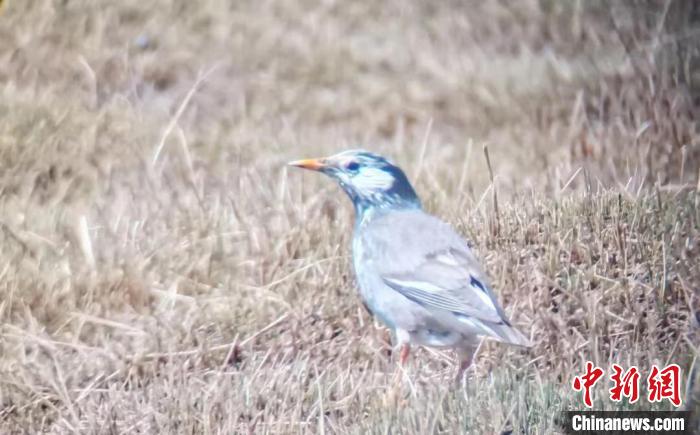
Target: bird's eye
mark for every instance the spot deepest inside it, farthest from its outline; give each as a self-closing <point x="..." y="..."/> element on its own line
<point x="352" y="166"/>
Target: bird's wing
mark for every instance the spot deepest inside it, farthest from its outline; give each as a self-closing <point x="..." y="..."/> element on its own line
<point x="426" y="261"/>
<point x="451" y="280"/>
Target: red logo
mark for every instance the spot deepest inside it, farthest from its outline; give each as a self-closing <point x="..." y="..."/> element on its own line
<point x="661" y="383"/>
<point x="627" y="385"/>
<point x="665" y="384"/>
<point x="587" y="381"/>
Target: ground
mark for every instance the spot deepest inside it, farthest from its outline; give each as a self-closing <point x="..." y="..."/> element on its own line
<point x="162" y="271"/>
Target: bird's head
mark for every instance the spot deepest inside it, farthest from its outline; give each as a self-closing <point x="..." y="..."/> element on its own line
<point x="370" y="180"/>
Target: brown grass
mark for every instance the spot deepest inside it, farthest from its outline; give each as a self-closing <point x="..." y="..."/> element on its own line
<point x="162" y="272"/>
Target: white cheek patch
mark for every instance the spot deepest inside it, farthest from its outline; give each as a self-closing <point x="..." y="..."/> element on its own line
<point x="343" y="178"/>
<point x="369" y="180"/>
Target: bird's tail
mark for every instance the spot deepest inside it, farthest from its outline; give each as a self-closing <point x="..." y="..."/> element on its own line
<point x="508" y="334"/>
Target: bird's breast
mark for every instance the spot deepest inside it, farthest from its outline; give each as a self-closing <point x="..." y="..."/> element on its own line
<point x="364" y="270"/>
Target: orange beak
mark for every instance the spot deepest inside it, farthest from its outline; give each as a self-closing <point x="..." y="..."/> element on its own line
<point x="313" y="164"/>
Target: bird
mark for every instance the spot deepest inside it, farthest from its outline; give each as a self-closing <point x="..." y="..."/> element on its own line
<point x="415" y="273"/>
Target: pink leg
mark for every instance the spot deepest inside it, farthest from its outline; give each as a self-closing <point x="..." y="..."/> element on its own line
<point x="403" y="341"/>
<point x="394" y="396"/>
<point x="465" y="356"/>
<point x="404" y="352"/>
<point x="464" y="364"/>
<point x="403" y="356"/>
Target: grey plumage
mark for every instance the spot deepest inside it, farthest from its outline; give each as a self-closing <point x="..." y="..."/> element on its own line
<point x="418" y="274"/>
<point x="414" y="272"/>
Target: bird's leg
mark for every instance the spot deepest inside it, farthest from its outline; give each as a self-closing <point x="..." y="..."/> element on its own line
<point x="464" y="364"/>
<point x="393" y="396"/>
<point x="403" y="356"/>
<point x="465" y="357"/>
<point x="404" y="352"/>
<point x="403" y="340"/>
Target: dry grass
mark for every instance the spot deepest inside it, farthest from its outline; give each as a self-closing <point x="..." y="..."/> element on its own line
<point x="161" y="272"/>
